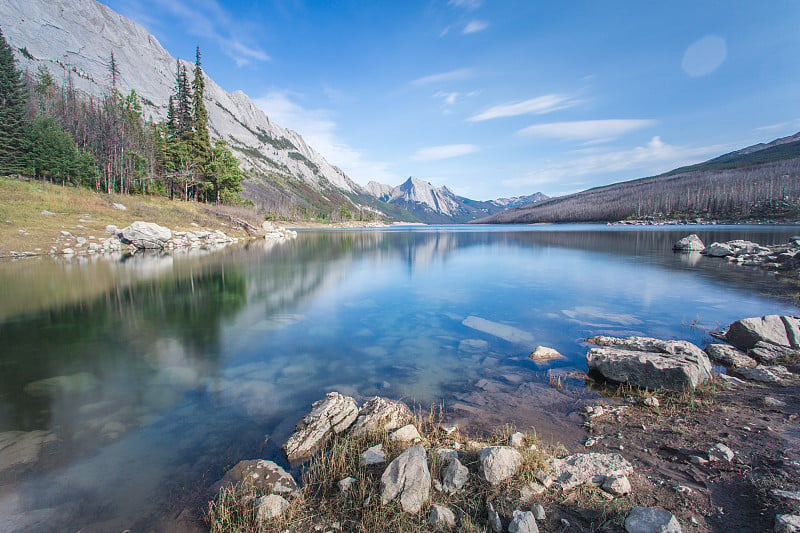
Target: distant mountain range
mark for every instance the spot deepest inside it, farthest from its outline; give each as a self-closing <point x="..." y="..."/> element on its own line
<point x="440" y="205"/>
<point x="757" y="182"/>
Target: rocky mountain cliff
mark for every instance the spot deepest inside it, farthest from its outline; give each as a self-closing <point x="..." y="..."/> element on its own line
<point x="74" y="40"/>
<point x="437" y="205"/>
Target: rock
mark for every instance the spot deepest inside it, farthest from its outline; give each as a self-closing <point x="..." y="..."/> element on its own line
<point x="651" y="520"/>
<point x="266" y="476"/>
<point x="523" y="522"/>
<point x="651" y="363"/>
<point x="373" y="456"/>
<point x="71" y="384"/>
<point x="543" y="353"/>
<point x="580" y="468"/>
<point x="19" y="448"/>
<point x="473" y="345"/>
<point x="787" y="523"/>
<point x="720" y="452"/>
<point x="346" y="484"/>
<point x="454" y="476"/>
<point x="772" y="329"/>
<point x="331" y="415"/>
<point x="447" y="454"/>
<point x="269" y="507"/>
<point x="616" y="484"/>
<point x="68" y="251"/>
<point x="502" y="331"/>
<point x="407" y="433"/>
<point x="47" y="213"/>
<point x="769" y="401"/>
<point x="499" y="463"/>
<point x="786" y="494"/>
<point x="145" y="235"/>
<point x="777" y="375"/>
<point x="767" y="353"/>
<point x="408" y="478"/>
<point x="516" y="440"/>
<point x="651" y="401"/>
<point x="379" y="414"/>
<point x="119" y="206"/>
<point x="493" y="518"/>
<point x="729" y="356"/>
<point x="441" y="517"/>
<point x="528" y="491"/>
<point x="690" y="243"/>
<point x="111" y="229"/>
<point x="718" y="249"/>
<point x="538" y="511"/>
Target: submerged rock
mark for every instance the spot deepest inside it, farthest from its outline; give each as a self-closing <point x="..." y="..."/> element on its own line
<point x="331" y="415"/>
<point x="408" y="478"/>
<point x="380" y="414"/>
<point x="496" y="329"/>
<point x="690" y="243"/>
<point x="648" y="362"/>
<point x="651" y="520"/>
<point x="499" y="463"/>
<point x="70" y="384"/>
<point x="19" y="448"/>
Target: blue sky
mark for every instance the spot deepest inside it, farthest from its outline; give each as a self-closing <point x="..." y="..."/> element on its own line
<point x="501" y="98"/>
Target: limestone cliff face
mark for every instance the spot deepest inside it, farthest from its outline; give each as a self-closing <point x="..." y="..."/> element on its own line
<point x="74" y="40"/>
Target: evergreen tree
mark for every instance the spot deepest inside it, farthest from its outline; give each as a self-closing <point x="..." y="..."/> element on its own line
<point x="13" y="101"/>
<point x="223" y="174"/>
<point x="202" y="142"/>
<point x="113" y="71"/>
<point x="172" y="119"/>
<point x="183" y="103"/>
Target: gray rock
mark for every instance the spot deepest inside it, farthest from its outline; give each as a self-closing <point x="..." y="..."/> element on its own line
<point x="616" y="484"/>
<point x="767" y="353"/>
<point x="405" y="434"/>
<point x="145" y="235"/>
<point x="745" y="333"/>
<point x="266" y="476"/>
<point x="651" y="520"/>
<point x="651" y="363"/>
<point x="787" y="523"/>
<point x="379" y="414"/>
<point x="769" y="401"/>
<point x="454" y="476"/>
<point x="373" y="456"/>
<point x="538" y="511"/>
<point x="720" y="452"/>
<point x="777" y="374"/>
<point x="523" y="522"/>
<point x="718" y="249"/>
<point x="408" y="478"/>
<point x="499" y="463"/>
<point x="70" y="384"/>
<point x="346" y="484"/>
<point x="19" y="448"/>
<point x="441" y="517"/>
<point x="543" y="353"/>
<point x="331" y="415"/>
<point x="516" y="440"/>
<point x="119" y="206"/>
<point x="493" y="518"/>
<point x="580" y="468"/>
<point x="690" y="243"/>
<point x="269" y="507"/>
<point x="730" y="356"/>
<point x="786" y="494"/>
<point x="446" y="454"/>
<point x="651" y="401"/>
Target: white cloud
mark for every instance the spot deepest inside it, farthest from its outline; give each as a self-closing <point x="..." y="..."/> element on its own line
<point x="539" y="105"/>
<point x="704" y="56"/>
<point x="653" y="158"/>
<point x="594" y="130"/>
<point x="447" y="151"/>
<point x="792" y="123"/>
<point x="474" y="26"/>
<point x="442" y="77"/>
<point x="447" y="98"/>
<point x="466" y="4"/>
<point x="319" y="130"/>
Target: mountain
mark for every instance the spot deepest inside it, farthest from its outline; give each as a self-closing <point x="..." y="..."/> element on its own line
<point x="74" y="39"/>
<point x="516" y="201"/>
<point x="440" y="205"/>
<point x="760" y="181"/>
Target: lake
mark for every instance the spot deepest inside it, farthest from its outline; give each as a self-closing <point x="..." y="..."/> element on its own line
<point x="129" y="386"/>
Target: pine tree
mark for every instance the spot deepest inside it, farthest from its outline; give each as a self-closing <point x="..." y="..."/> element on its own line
<point x="172" y="119"/>
<point x="13" y="101"/>
<point x="113" y="71"/>
<point x="183" y="102"/>
<point x="202" y="142"/>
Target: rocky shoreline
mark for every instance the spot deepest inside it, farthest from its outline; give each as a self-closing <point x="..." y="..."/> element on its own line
<point x="781" y="258"/>
<point x="379" y="467"/>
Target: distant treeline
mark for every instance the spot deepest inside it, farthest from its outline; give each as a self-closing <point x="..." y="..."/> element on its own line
<point x="743" y="189"/>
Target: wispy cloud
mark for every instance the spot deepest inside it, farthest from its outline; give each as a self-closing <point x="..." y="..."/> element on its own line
<point x="443" y="77"/>
<point x="603" y="130"/>
<point x="539" y="105"/>
<point x="447" y="151"/>
<point x="791" y="123"/>
<point x="469" y="5"/>
<point x="474" y="26"/>
<point x="320" y="131"/>
<point x="656" y="156"/>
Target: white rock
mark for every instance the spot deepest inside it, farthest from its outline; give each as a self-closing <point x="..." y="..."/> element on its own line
<point x="538" y="511"/>
<point x="346" y="484"/>
<point x="516" y="440"/>
<point x="651" y="401"/>
<point x="523" y="522"/>
<point x="407" y="433"/>
<point x="408" y="478"/>
<point x="266" y="476"/>
<point x="690" y="243"/>
<point x="787" y="523"/>
<point x="446" y="454"/>
<point x="119" y="207"/>
<point x="617" y="484"/>
<point x="503" y="331"/>
<point x="379" y="414"/>
<point x="720" y="452"/>
<point x="270" y="506"/>
<point x="333" y="414"/>
<point x="441" y="517"/>
<point x="580" y="468"/>
<point x="543" y="353"/>
<point x="373" y="456"/>
<point x="651" y="520"/>
<point x="730" y="356"/>
<point x="145" y="235"/>
<point x="499" y="463"/>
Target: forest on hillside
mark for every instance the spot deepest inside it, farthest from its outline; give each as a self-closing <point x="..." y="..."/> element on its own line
<point x="758" y="185"/>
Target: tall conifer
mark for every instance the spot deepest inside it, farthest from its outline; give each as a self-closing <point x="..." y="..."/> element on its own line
<point x="13" y="100"/>
<point x="202" y="142"/>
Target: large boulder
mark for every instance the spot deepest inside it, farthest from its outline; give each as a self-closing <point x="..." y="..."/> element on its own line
<point x="651" y="520"/>
<point x="499" y="463"/>
<point x="408" y="478"/>
<point x="580" y="468"/>
<point x="331" y="415"/>
<point x="772" y="329"/>
<point x="690" y="243"/>
<point x="266" y="476"/>
<point x="718" y="249"/>
<point x="730" y="356"/>
<point x="651" y="363"/>
<point x="379" y="414"/>
<point x="145" y="235"/>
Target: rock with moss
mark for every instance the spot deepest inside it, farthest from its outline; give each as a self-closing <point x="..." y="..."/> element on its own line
<point x="332" y="415"/>
<point x="499" y="463"/>
<point x="407" y="478"/>
<point x="381" y="414"/>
